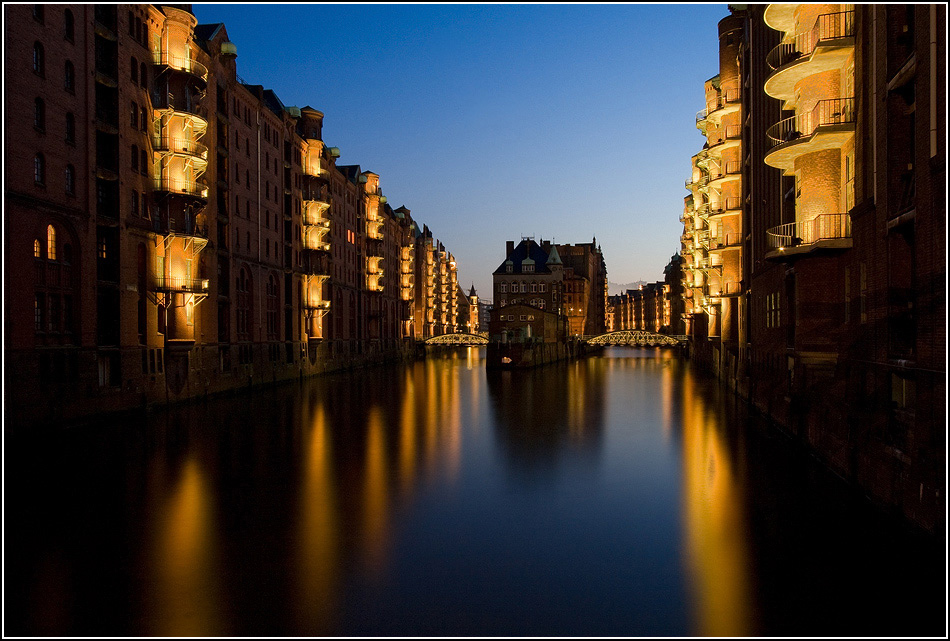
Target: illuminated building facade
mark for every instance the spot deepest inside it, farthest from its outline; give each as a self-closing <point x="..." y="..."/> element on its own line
<point x="713" y="223"/>
<point x="840" y="316"/>
<point x="585" y="288"/>
<point x="188" y="232"/>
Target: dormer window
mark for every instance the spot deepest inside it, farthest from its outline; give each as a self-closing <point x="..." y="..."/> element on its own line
<point x="528" y="269"/>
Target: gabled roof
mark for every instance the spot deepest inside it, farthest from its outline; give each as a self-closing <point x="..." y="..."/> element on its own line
<point x="527" y="252"/>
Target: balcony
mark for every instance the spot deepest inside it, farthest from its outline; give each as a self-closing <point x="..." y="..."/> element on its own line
<point x="727" y="103"/>
<point x="730" y="137"/>
<point x="179" y="227"/>
<point x="731" y="206"/>
<point x="825" y="231"/>
<point x="180" y="63"/>
<point x="181" y="187"/>
<point x="316" y="304"/>
<point x="726" y="241"/>
<point x="825" y="46"/>
<point x="781" y="17"/>
<point x="180" y="284"/>
<point x="180" y="146"/>
<point x="732" y="170"/>
<point x="829" y="125"/>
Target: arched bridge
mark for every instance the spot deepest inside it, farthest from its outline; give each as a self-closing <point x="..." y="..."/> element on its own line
<point x="634" y="337"/>
<point x="457" y="339"/>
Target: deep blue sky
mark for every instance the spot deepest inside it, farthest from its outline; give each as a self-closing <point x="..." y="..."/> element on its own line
<point x="493" y="122"/>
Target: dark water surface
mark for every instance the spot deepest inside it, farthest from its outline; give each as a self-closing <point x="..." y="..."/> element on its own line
<point x="621" y="495"/>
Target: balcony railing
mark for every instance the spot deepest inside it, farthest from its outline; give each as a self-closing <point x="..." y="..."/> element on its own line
<point x="727" y="240"/>
<point x="828" y="26"/>
<point x="723" y="100"/>
<point x="188" y="65"/>
<point x="180" y="146"/>
<point x="808" y="232"/>
<point x="732" y="132"/>
<point x="180" y="284"/>
<point x="826" y="112"/>
<point x="181" y="186"/>
<point x="179" y="227"/>
<point x="731" y="168"/>
<point x="316" y="304"/>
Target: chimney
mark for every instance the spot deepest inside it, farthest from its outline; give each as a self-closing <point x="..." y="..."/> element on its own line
<point x="546" y="246"/>
<point x="509" y="247"/>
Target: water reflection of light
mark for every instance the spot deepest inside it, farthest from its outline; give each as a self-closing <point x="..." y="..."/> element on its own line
<point x="714" y="518"/>
<point x="375" y="491"/>
<point x="186" y="576"/>
<point x="407" y="437"/>
<point x="318" y="561"/>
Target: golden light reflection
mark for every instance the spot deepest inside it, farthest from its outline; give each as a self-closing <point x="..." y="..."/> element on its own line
<point x="375" y="492"/>
<point x="186" y="576"/>
<point x="318" y="549"/>
<point x="407" y="438"/>
<point x="715" y="524"/>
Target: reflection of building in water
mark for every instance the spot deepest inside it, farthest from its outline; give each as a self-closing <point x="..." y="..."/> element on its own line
<point x="715" y="521"/>
<point x="542" y="413"/>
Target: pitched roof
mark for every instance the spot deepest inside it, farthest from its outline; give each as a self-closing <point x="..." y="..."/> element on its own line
<point x="527" y="252"/>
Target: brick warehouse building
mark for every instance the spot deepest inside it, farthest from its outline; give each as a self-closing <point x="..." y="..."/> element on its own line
<point x="841" y="309"/>
<point x="188" y="233"/>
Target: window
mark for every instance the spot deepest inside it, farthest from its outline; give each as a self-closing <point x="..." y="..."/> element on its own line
<point x="69" y="77"/>
<point x="144" y="155"/>
<point x="39" y="115"/>
<point x="143" y="119"/>
<point x="135" y="157"/>
<point x="273" y="305"/>
<point x="69" y="25"/>
<point x="523" y="317"/>
<point x="70" y="180"/>
<point x="134" y="115"/>
<point x="50" y="242"/>
<point x="534" y="288"/>
<point x="135" y="202"/>
<point x="39" y="60"/>
<point x="503" y="288"/>
<point x="135" y="70"/>
<point x="131" y="24"/>
<point x="39" y="169"/>
<point x="39" y="14"/>
<point x="70" y="128"/>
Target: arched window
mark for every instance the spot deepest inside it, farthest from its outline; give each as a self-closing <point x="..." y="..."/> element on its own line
<point x="51" y="242"/>
<point x="70" y="180"/>
<point x="69" y="77"/>
<point x="39" y="14"/>
<point x="37" y="251"/>
<point x="39" y="60"/>
<point x="69" y="25"/>
<point x="39" y="114"/>
<point x="39" y="169"/>
<point x="70" y="128"/>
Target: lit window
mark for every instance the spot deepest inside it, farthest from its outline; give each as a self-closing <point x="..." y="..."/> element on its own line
<point x="50" y="242"/>
<point x="37" y="251"/>
<point x="70" y="180"/>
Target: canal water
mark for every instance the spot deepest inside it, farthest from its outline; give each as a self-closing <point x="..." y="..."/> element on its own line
<point x="624" y="494"/>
